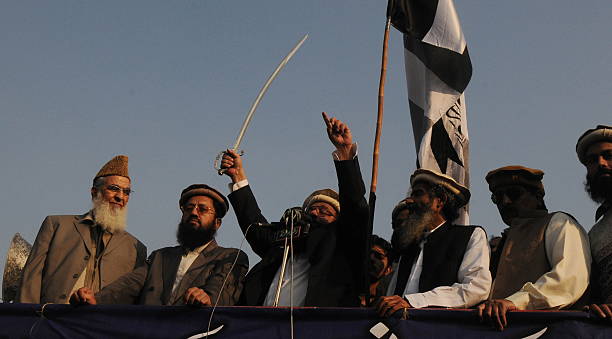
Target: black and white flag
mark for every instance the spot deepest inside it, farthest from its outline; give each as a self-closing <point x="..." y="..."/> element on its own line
<point x="438" y="69"/>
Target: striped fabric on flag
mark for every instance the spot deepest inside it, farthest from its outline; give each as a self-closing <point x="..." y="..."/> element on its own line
<point x="438" y="69"/>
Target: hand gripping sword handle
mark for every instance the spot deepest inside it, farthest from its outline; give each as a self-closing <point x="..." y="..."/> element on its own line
<point x="218" y="159"/>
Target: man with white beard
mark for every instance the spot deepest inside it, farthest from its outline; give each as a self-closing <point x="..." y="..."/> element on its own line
<point x="441" y="264"/>
<point x="90" y="250"/>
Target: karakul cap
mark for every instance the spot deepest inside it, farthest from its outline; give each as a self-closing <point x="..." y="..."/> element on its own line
<point x="115" y="166"/>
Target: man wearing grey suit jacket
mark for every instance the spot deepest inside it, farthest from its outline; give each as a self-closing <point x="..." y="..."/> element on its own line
<point x="91" y="250"/>
<point x="196" y="272"/>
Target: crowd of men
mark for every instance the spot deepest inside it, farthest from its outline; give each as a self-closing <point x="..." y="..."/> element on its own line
<point x="543" y="260"/>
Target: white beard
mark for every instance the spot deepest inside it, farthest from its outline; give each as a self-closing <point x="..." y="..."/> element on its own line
<point x="110" y="218"/>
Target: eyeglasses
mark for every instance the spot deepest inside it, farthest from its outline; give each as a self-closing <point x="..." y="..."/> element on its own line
<point x="117" y="189"/>
<point x="321" y="210"/>
<point x="201" y="209"/>
<point x="513" y="193"/>
<point x="594" y="158"/>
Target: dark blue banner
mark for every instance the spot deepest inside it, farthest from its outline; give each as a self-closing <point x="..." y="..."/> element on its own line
<point x="121" y="321"/>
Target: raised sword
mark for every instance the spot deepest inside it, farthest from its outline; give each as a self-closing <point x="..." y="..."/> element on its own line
<point x="262" y="91"/>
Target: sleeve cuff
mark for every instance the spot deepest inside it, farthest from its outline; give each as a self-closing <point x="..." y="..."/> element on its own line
<point x="236" y="186"/>
<point x="416" y="300"/>
<point x="519" y="299"/>
<point x="353" y="153"/>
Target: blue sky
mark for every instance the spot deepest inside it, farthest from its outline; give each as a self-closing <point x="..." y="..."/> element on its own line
<point x="168" y="84"/>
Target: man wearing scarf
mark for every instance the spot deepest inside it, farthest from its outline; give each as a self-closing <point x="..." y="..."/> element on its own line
<point x="594" y="149"/>
<point x="543" y="260"/>
<point x="90" y="250"/>
<point x="441" y="264"/>
<point x="327" y="269"/>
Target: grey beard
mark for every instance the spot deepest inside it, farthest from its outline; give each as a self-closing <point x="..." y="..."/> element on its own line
<point x="411" y="231"/>
<point x="110" y="218"/>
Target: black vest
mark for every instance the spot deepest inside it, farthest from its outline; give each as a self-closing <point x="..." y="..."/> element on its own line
<point x="442" y="256"/>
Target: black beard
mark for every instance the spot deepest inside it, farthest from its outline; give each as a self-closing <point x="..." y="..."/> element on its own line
<point x="191" y="237"/>
<point x="599" y="187"/>
<point x="412" y="229"/>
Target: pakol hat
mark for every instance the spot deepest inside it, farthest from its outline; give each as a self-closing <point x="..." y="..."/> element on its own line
<point x="597" y="134"/>
<point x="326" y="195"/>
<point x="205" y="190"/>
<point x="115" y="166"/>
<point x="460" y="192"/>
<point x="515" y="175"/>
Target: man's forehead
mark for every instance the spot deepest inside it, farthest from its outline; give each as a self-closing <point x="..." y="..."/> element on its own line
<point x="117" y="180"/>
<point x="597" y="147"/>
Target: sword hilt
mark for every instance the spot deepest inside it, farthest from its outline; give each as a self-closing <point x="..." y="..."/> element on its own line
<point x="217" y="163"/>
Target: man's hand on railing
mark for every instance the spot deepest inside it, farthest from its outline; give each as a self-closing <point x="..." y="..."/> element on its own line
<point x="494" y="311"/>
<point x="83" y="296"/>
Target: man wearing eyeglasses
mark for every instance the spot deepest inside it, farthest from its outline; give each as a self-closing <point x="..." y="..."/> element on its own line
<point x="90" y="250"/>
<point x="594" y="149"/>
<point x="543" y="260"/>
<point x="441" y="264"/>
<point x="328" y="270"/>
<point x="197" y="272"/>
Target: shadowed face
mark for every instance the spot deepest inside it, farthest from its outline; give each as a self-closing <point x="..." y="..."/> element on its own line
<point x="380" y="266"/>
<point x="322" y="212"/>
<point x="514" y="201"/>
<point x="599" y="171"/>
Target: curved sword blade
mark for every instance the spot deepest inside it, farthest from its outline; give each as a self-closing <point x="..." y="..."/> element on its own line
<point x="263" y="90"/>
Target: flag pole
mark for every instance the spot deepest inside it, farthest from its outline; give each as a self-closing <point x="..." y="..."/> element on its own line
<point x="375" y="153"/>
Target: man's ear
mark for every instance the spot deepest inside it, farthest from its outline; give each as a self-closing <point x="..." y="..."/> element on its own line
<point x="217" y="223"/>
<point x="94" y="191"/>
<point x="438" y="203"/>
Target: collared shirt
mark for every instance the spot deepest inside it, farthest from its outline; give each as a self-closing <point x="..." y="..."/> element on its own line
<point x="474" y="278"/>
<point x="567" y="250"/>
<point x="186" y="260"/>
<point x="300" y="268"/>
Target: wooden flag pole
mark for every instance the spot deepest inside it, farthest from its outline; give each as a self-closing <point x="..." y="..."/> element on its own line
<point x="375" y="153"/>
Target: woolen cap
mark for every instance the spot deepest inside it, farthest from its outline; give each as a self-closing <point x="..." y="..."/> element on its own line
<point x="515" y="175"/>
<point x="205" y="190"/>
<point x="597" y="134"/>
<point x="460" y="192"/>
<point x="115" y="166"/>
<point x="326" y="195"/>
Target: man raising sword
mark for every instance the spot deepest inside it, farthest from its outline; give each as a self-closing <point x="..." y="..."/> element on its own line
<point x="326" y="271"/>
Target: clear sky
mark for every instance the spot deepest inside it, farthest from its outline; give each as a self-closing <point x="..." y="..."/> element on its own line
<point x="168" y="83"/>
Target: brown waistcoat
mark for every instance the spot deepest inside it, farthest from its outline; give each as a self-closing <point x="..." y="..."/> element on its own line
<point x="523" y="257"/>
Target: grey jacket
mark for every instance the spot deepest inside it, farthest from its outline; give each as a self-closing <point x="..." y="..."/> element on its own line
<point x="60" y="253"/>
<point x="152" y="284"/>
